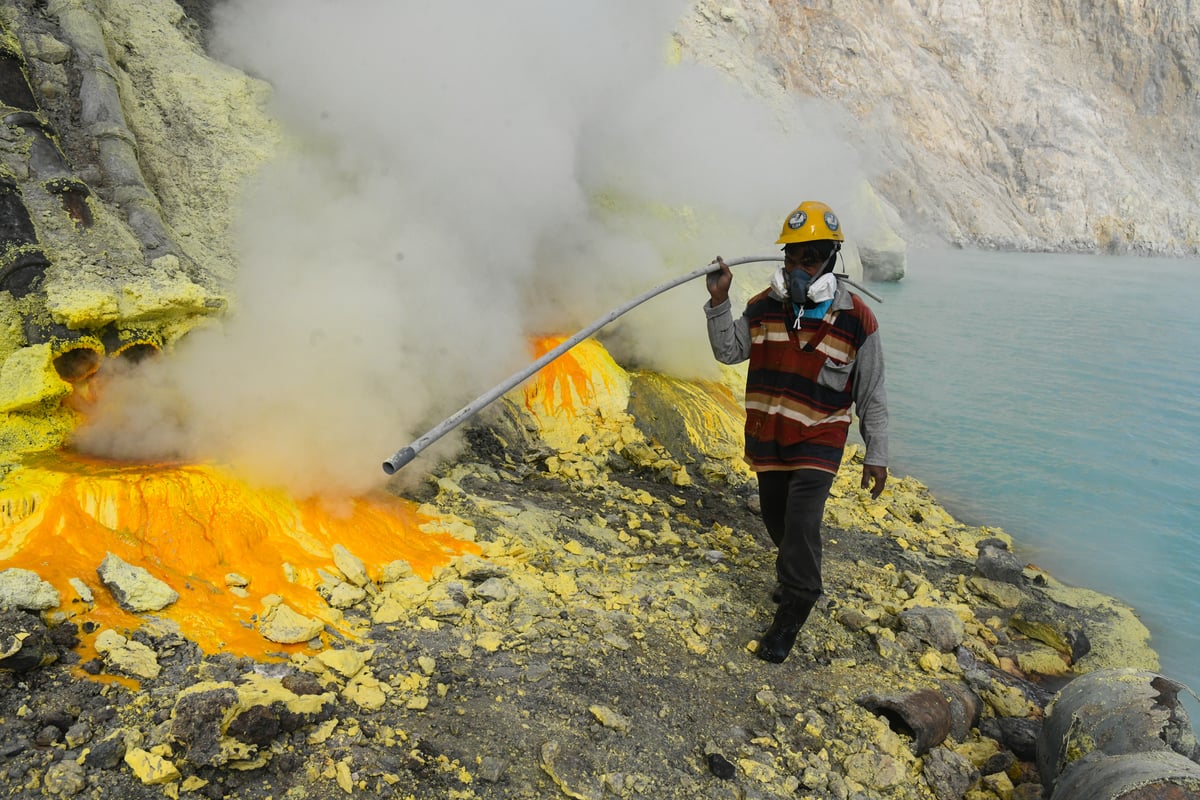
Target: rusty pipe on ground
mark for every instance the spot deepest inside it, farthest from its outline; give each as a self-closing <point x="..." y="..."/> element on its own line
<point x="406" y="454"/>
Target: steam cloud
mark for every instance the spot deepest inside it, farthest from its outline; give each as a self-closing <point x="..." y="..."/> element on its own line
<point x="461" y="176"/>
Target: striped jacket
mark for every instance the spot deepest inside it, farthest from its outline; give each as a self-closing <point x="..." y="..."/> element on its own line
<point x="801" y="383"/>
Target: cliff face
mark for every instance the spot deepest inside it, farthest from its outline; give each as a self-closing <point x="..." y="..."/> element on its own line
<point x="1064" y="125"/>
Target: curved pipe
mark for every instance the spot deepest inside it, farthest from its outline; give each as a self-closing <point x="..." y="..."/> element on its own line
<point x="403" y="456"/>
<point x="406" y="454"/>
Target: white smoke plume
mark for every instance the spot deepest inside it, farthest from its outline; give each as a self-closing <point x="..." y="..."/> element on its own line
<point x="465" y="175"/>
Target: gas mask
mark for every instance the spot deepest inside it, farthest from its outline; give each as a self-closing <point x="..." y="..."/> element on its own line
<point x="798" y="286"/>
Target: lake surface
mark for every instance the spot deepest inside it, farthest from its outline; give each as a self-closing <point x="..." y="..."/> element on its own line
<point x="1058" y="397"/>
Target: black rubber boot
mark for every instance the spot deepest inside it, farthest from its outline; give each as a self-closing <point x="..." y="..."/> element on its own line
<point x="777" y="642"/>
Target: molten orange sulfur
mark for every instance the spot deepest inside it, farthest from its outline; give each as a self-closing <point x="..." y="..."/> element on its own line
<point x="567" y="382"/>
<point x="190" y="526"/>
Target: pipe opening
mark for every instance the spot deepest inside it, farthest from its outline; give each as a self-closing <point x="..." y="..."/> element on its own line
<point x="23" y="274"/>
<point x="77" y="365"/>
<point x="897" y="722"/>
<point x="73" y="194"/>
<point x="137" y="352"/>
<point x="14" y="86"/>
<point x="16" y="226"/>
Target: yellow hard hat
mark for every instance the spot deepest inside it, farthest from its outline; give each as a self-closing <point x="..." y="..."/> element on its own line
<point x="811" y="222"/>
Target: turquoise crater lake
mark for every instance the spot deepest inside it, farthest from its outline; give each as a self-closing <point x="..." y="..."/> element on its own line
<point x="1058" y="397"/>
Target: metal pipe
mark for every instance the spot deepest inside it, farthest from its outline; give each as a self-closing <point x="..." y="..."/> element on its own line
<point x="406" y="454"/>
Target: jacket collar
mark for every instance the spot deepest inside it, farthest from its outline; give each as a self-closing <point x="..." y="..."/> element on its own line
<point x="842" y="299"/>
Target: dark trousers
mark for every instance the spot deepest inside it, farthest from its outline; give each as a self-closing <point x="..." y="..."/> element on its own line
<point x="793" y="503"/>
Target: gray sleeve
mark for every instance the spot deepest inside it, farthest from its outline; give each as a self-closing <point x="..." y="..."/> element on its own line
<point x="870" y="401"/>
<point x="729" y="338"/>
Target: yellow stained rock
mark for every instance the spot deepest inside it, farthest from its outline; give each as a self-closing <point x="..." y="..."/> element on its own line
<point x="130" y="657"/>
<point x="757" y="771"/>
<point x="931" y="661"/>
<point x="192" y="783"/>
<point x="389" y="610"/>
<point x="1008" y="701"/>
<point x="254" y="689"/>
<point x="978" y="753"/>
<point x="366" y="691"/>
<point x="149" y="768"/>
<point x="280" y="623"/>
<point x="489" y="641"/>
<point x="350" y="565"/>
<point x="563" y="585"/>
<point x="343" y="774"/>
<point x="611" y="719"/>
<point x="1043" y="661"/>
<point x="410" y="682"/>
<point x="322" y="732"/>
<point x="346" y="663"/>
<point x="28" y="379"/>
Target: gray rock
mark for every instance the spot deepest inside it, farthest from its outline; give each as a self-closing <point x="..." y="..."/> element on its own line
<point x="196" y="724"/>
<point x="571" y="771"/>
<point x="883" y="265"/>
<point x="477" y="570"/>
<point x="1001" y="594"/>
<point x="134" y="588"/>
<point x="108" y="753"/>
<point x="47" y="736"/>
<point x="1018" y="734"/>
<point x="1011" y="154"/>
<point x="23" y="588"/>
<point x="1053" y="624"/>
<point x="78" y="734"/>
<point x="939" y="627"/>
<point x="999" y="564"/>
<point x="948" y="774"/>
<point x="874" y="770"/>
<point x="491" y="769"/>
<point x="853" y="619"/>
<point x="260" y="725"/>
<point x="64" y="778"/>
<point x="495" y="589"/>
<point x="25" y="644"/>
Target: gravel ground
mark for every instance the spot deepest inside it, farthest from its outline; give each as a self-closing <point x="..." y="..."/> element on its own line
<point x="635" y="680"/>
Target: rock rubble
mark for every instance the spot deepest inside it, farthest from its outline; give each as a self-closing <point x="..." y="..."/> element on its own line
<point x="598" y="646"/>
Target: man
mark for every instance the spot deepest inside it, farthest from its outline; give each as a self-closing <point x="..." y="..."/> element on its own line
<point x="814" y="350"/>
